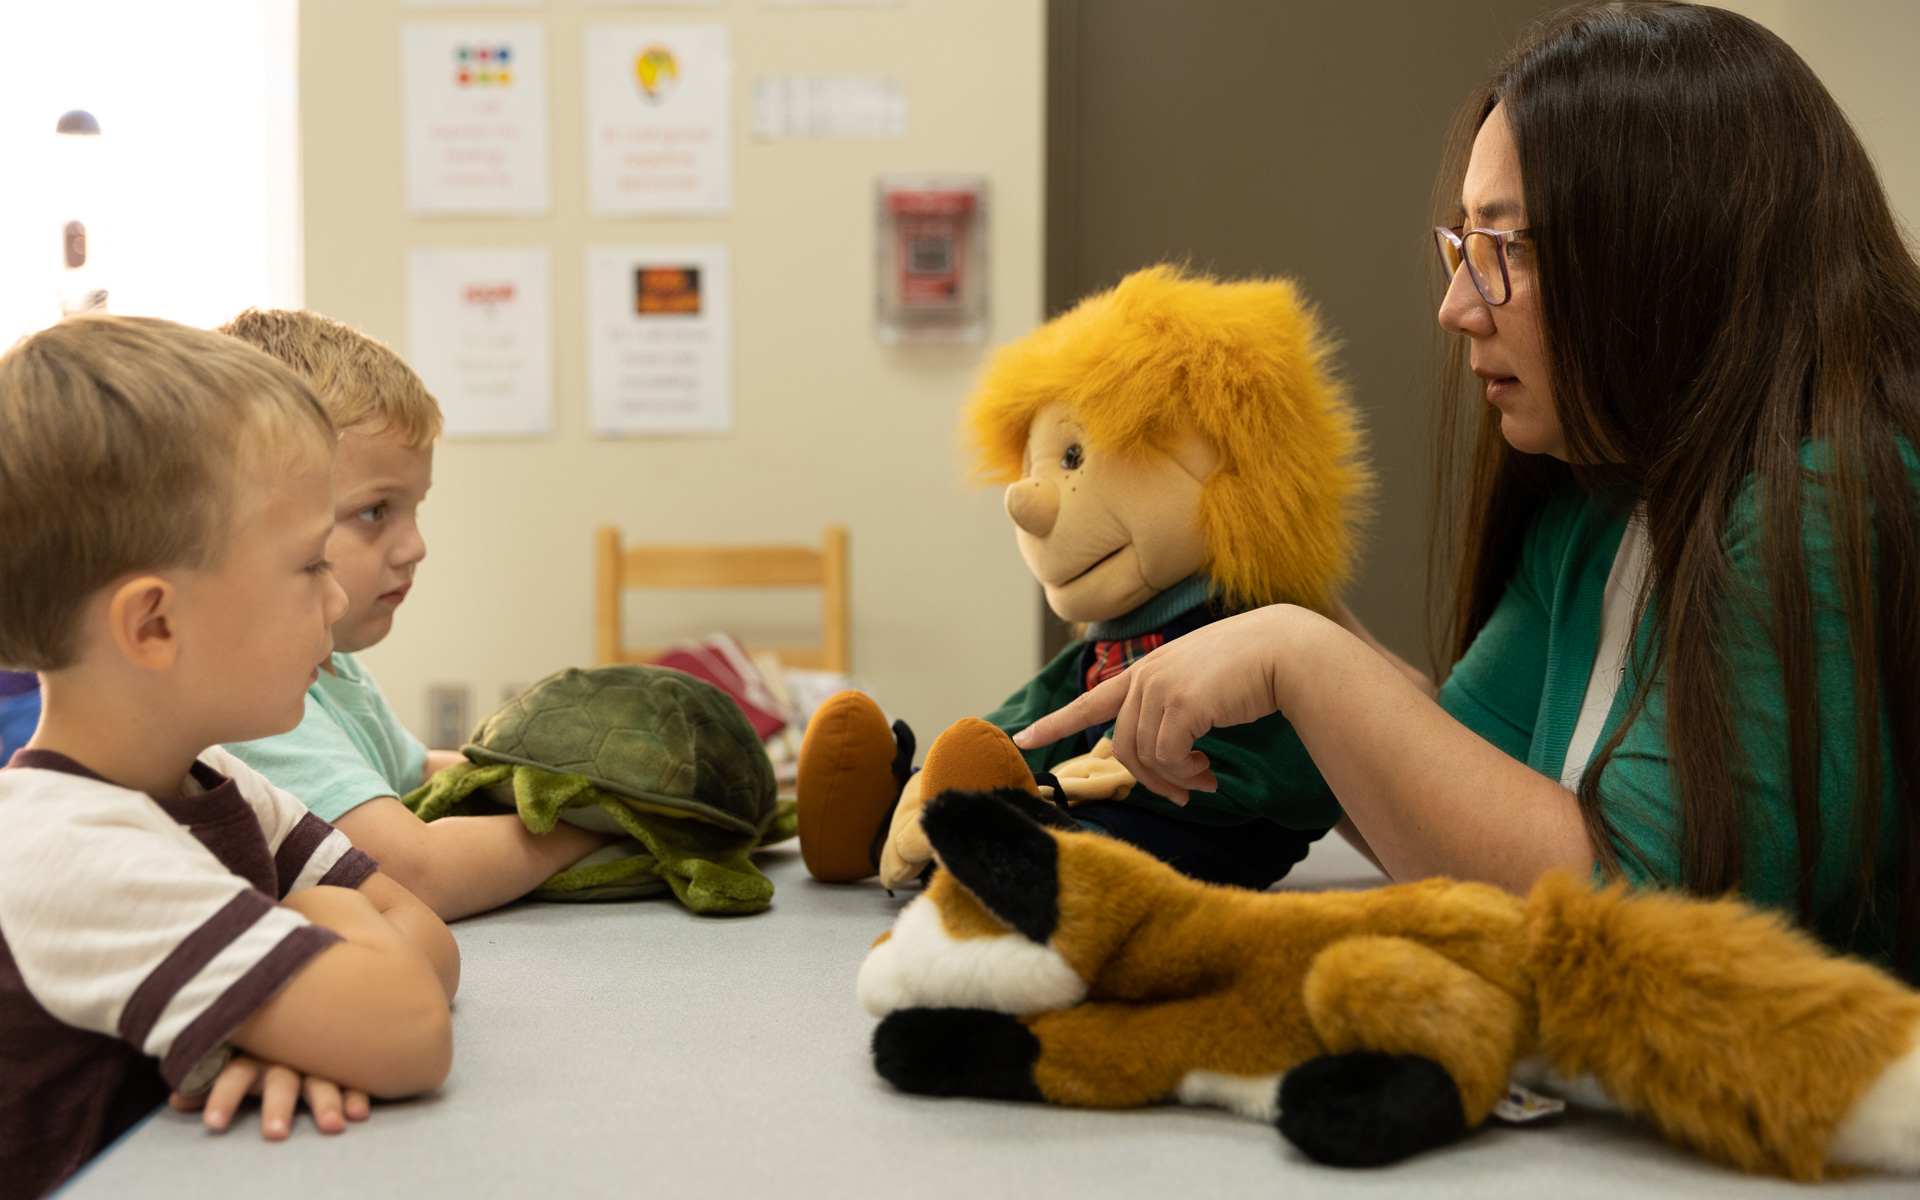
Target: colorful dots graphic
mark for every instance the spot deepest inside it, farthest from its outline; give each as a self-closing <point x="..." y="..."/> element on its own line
<point x="482" y="66"/>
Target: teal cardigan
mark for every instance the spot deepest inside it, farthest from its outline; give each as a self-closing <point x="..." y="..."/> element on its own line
<point x="1521" y="683"/>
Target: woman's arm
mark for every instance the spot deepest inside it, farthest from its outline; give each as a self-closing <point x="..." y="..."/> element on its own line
<point x="1344" y="618"/>
<point x="1426" y="794"/>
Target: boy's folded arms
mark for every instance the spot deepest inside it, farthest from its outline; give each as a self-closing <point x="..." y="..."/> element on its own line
<point x="378" y="999"/>
<point x="369" y="1012"/>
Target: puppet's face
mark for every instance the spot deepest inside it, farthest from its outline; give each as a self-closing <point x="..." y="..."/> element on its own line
<point x="1104" y="533"/>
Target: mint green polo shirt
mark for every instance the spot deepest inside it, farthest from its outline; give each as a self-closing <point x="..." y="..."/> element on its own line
<point x="1521" y="683"/>
<point x="348" y="749"/>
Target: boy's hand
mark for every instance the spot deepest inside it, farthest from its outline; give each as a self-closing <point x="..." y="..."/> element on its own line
<point x="280" y="1088"/>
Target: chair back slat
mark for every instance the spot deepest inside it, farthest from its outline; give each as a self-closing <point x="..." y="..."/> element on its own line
<point x="619" y="567"/>
<point x="723" y="566"/>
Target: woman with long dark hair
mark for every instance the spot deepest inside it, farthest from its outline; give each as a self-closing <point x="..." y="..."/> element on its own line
<point x="1682" y="535"/>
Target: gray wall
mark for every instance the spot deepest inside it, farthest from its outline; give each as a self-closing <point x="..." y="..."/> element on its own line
<point x="1280" y="137"/>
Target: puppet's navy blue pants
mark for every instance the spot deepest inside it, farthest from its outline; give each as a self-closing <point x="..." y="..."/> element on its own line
<point x="1255" y="855"/>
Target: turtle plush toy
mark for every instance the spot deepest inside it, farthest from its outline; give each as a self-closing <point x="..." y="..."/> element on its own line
<point x="1047" y="963"/>
<point x="1174" y="450"/>
<point x="664" y="761"/>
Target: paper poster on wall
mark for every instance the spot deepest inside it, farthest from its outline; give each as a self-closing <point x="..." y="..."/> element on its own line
<point x="828" y="106"/>
<point x="478" y="332"/>
<point x="659" y="134"/>
<point x="476" y="118"/>
<point x="659" y="357"/>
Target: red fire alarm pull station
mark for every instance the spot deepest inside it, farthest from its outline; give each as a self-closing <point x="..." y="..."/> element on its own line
<point x="932" y="258"/>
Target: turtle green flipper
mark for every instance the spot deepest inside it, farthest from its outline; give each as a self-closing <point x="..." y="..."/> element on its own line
<point x="621" y="870"/>
<point x="786" y="823"/>
<point x="707" y="867"/>
<point x="450" y="787"/>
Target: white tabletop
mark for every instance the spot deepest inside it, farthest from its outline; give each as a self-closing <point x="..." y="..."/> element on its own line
<point x="638" y="1050"/>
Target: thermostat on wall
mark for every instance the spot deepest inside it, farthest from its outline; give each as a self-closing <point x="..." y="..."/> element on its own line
<point x="932" y="258"/>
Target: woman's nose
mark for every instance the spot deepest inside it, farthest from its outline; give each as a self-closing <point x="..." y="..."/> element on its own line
<point x="1034" y="505"/>
<point x="1464" y="309"/>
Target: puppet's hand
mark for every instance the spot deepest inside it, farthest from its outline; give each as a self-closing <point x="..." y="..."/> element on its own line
<point x="907" y="851"/>
<point x="1095" y="775"/>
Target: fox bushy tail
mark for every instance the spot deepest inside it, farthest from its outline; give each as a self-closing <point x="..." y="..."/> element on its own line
<point x="1730" y="1031"/>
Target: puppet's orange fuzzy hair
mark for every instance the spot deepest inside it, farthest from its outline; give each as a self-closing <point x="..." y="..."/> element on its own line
<point x="1245" y="363"/>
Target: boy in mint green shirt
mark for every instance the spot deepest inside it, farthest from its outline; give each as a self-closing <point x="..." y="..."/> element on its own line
<point x="348" y="749"/>
<point x="349" y="759"/>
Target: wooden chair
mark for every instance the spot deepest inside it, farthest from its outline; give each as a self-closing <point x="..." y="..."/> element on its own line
<point x="715" y="566"/>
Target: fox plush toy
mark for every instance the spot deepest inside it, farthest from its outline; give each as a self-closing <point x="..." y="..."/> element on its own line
<point x="1045" y="962"/>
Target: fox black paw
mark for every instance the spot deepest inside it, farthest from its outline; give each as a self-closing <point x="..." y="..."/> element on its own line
<point x="1368" y="1110"/>
<point x="957" y="1052"/>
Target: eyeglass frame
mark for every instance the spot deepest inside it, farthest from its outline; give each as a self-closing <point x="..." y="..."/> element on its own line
<point x="1501" y="237"/>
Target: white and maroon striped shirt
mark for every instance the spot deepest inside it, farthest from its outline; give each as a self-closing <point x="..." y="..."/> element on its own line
<point x="136" y="935"/>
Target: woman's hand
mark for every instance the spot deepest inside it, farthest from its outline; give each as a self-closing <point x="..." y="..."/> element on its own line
<point x="1225" y="673"/>
<point x="280" y="1089"/>
<point x="1425" y="793"/>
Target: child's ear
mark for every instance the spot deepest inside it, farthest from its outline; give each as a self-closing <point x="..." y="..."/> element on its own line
<point x="995" y="851"/>
<point x="139" y="618"/>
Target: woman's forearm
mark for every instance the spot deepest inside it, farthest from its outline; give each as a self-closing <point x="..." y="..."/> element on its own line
<point x="1429" y="796"/>
<point x="1343" y="617"/>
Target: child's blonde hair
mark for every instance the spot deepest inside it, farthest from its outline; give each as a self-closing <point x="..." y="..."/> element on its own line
<point x="1245" y="364"/>
<point x="121" y="446"/>
<point x="359" y="380"/>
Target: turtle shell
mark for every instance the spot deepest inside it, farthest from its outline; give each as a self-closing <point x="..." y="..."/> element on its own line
<point x="659" y="738"/>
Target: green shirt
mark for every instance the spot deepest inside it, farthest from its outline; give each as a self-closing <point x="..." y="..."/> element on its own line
<point x="348" y="749"/>
<point x="1521" y="683"/>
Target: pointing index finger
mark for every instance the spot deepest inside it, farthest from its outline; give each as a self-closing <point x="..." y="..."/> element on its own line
<point x="1096" y="707"/>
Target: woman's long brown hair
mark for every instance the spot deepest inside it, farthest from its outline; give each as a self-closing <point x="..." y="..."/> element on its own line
<point x="1722" y="282"/>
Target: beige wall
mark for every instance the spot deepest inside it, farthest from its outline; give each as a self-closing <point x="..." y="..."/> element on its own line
<point x="829" y="426"/>
<point x="1863" y="50"/>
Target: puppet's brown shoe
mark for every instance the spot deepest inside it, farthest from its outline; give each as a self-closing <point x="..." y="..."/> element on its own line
<point x="974" y="756"/>
<point x="852" y="766"/>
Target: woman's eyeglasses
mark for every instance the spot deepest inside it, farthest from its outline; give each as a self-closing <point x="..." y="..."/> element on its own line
<point x="1485" y="253"/>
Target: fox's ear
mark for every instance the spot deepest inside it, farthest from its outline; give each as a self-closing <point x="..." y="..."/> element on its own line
<point x="993" y="849"/>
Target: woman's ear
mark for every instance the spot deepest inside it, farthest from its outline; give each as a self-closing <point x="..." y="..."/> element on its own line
<point x="139" y="619"/>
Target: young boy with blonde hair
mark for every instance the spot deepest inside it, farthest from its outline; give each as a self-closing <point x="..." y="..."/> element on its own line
<point x="169" y="920"/>
<point x="350" y="759"/>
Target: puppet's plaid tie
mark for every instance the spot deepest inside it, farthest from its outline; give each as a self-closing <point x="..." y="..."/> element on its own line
<point x="1111" y="658"/>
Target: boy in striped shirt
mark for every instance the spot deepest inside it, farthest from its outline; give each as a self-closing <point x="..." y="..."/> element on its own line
<point x="170" y="922"/>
